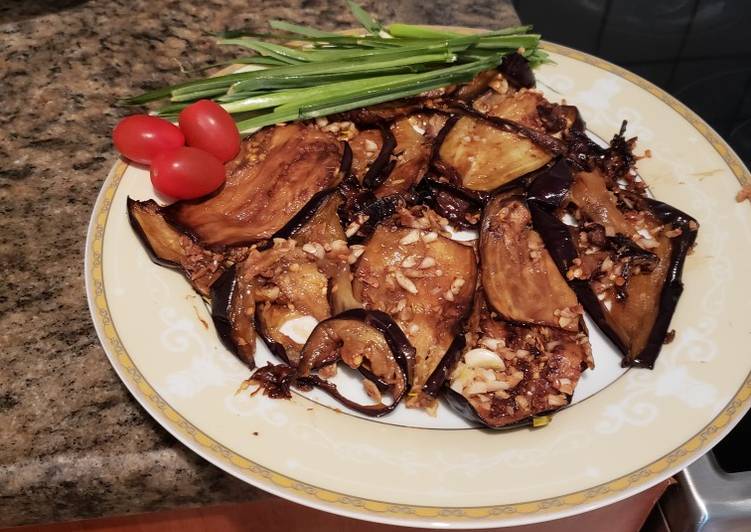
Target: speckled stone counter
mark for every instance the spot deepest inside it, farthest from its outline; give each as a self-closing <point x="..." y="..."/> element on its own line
<point x="73" y="443"/>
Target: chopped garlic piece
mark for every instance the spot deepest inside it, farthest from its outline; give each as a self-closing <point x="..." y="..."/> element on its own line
<point x="483" y="358"/>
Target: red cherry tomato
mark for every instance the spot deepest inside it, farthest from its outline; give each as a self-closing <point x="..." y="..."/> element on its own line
<point x="141" y="137"/>
<point x="209" y="127"/>
<point x="186" y="173"/>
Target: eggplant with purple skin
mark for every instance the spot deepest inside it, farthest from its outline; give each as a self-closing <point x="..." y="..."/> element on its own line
<point x="460" y="207"/>
<point x="509" y="373"/>
<point x="290" y="296"/>
<point x="360" y="339"/>
<point x="414" y="136"/>
<point x="516" y="70"/>
<point x="362" y="211"/>
<point x="425" y="281"/>
<point x="324" y="229"/>
<point x="526" y="343"/>
<point x="379" y="169"/>
<point x="306" y="285"/>
<point x="232" y="311"/>
<point x="520" y="279"/>
<point x="283" y="291"/>
<point x="278" y="170"/>
<point x="173" y="249"/>
<point x="500" y="138"/>
<point x="624" y="257"/>
<point x="367" y="145"/>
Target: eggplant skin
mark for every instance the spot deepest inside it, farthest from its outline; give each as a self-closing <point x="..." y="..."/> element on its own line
<point x="515" y="68"/>
<point x="292" y="285"/>
<point x="271" y="287"/>
<point x="380" y="167"/>
<point x="324" y="228"/>
<point x="550" y="187"/>
<point x="161" y="241"/>
<point x="560" y="244"/>
<point x="509" y="373"/>
<point x="429" y="303"/>
<point x="391" y="370"/>
<point x="413" y="145"/>
<point x="367" y="146"/>
<point x="459" y="208"/>
<point x="497" y="140"/>
<point x="328" y="343"/>
<point x="435" y="383"/>
<point x="298" y="222"/>
<point x="464" y="408"/>
<point x="307" y="275"/>
<point x="229" y="309"/>
<point x="171" y="248"/>
<point x="277" y="172"/>
<point x="673" y="285"/>
<point x="637" y="323"/>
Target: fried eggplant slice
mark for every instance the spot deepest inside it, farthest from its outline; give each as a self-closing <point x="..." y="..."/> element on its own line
<point x="477" y="86"/>
<point x="623" y="257"/>
<point x="462" y="210"/>
<point x="279" y="169"/>
<point x="483" y="157"/>
<point x="173" y="249"/>
<point x="520" y="279"/>
<point x="362" y="211"/>
<point x="291" y="297"/>
<point x="305" y="284"/>
<point x="508" y="373"/>
<point x="325" y="229"/>
<point x="517" y="72"/>
<point x="282" y="292"/>
<point x="366" y="146"/>
<point x="414" y="137"/>
<point x="425" y="281"/>
<point x="359" y="338"/>
<point x="233" y="310"/>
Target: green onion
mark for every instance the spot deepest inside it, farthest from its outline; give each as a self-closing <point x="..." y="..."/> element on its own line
<point x="197" y="95"/>
<point x="510" y="41"/>
<point x="419" y="32"/>
<point x="264" y="79"/>
<point x="308" y="104"/>
<point x="413" y="31"/>
<point x="297" y="72"/>
<point x="540" y="421"/>
<point x="302" y="30"/>
<point x="367" y="22"/>
<point x="279" y="52"/>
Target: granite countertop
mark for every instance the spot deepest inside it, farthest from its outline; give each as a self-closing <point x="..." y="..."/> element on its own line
<point x="73" y="443"/>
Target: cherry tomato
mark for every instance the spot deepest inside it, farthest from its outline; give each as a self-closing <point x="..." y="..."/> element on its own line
<point x="209" y="127"/>
<point x="141" y="137"/>
<point x="186" y="173"/>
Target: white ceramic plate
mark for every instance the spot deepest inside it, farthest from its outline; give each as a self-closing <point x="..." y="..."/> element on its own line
<point x="634" y="429"/>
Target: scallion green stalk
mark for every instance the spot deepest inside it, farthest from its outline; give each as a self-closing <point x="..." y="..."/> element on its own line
<point x="299" y="72"/>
